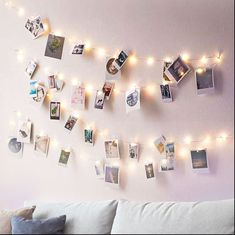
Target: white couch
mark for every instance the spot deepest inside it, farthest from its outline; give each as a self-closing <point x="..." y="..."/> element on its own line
<point x="124" y="217"/>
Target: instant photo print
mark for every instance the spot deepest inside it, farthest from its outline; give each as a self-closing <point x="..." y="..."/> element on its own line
<point x="133" y="151"/>
<point x="52" y="82"/>
<point x="177" y="70"/>
<point x="166" y="93"/>
<point x="71" y="122"/>
<point x="168" y="163"/>
<point x="33" y="88"/>
<point x="78" y="97"/>
<point x="149" y="171"/>
<point x="41" y="145"/>
<point x="35" y="26"/>
<point x="78" y="49"/>
<point x="199" y="161"/>
<point x="107" y="89"/>
<point x="112" y="175"/>
<point x="64" y="157"/>
<point x="132" y="100"/>
<point x="30" y="69"/>
<point x="55" y="110"/>
<point x="112" y="149"/>
<point x="99" y="100"/>
<point x="24" y="132"/>
<point x="204" y="81"/>
<point x="15" y="147"/>
<point x="111" y="72"/>
<point x="88" y="136"/>
<point x="41" y="93"/>
<point x="160" y="144"/>
<point x="165" y="66"/>
<point x="100" y="169"/>
<point x="120" y="60"/>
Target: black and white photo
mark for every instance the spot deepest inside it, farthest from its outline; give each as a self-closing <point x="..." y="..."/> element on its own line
<point x="99" y="100"/>
<point x="133" y="151"/>
<point x="149" y="170"/>
<point x="78" y="49"/>
<point x="35" y="26"/>
<point x="120" y="60"/>
<point x="166" y="93"/>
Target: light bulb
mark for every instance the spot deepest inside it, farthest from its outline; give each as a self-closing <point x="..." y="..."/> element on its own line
<point x="150" y="61"/>
<point x="204" y="60"/>
<point x="116" y="91"/>
<point x="87" y="45"/>
<point x="185" y="57"/>
<point x="46" y="27"/>
<point x="219" y="58"/>
<point x="188" y="140"/>
<point x="76" y="114"/>
<point x="21" y="11"/>
<point x="183" y="152"/>
<point x="60" y="76"/>
<point x="168" y="60"/>
<point x="133" y="60"/>
<point x="89" y="89"/>
<point x="200" y="70"/>
<point x="151" y="89"/>
<point x="75" y="82"/>
<point x="101" y="52"/>
<point x="207" y="140"/>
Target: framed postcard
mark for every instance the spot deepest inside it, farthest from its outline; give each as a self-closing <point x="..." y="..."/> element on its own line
<point x="177" y="70"/>
<point x="107" y="89"/>
<point x="204" y="81"/>
<point x="166" y="93"/>
<point x="133" y="151"/>
<point x="35" y="26"/>
<point x="15" y="147"/>
<point x="64" y="157"/>
<point x="41" y="93"/>
<point x="24" y="132"/>
<point x="112" y="175"/>
<point x="78" y="97"/>
<point x="160" y="144"/>
<point x="165" y="67"/>
<point x="41" y="145"/>
<point x="33" y="88"/>
<point x="99" y="100"/>
<point x="88" y="135"/>
<point x="199" y="161"/>
<point x="30" y="69"/>
<point x="54" y="47"/>
<point x="111" y="72"/>
<point x="69" y="125"/>
<point x="149" y="170"/>
<point x="99" y="169"/>
<point x="132" y="100"/>
<point x="78" y="49"/>
<point x="120" y="60"/>
<point x="112" y="149"/>
<point x="168" y="163"/>
<point x="55" y="110"/>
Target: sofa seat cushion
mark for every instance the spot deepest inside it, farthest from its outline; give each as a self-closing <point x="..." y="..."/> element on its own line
<point x="174" y="218"/>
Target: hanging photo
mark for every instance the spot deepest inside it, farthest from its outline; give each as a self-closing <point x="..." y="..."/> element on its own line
<point x="30" y="69"/>
<point x="107" y="89"/>
<point x="160" y="144"/>
<point x="133" y="150"/>
<point x="78" y="97"/>
<point x="33" y="88"/>
<point x="15" y="147"/>
<point x="99" y="100"/>
<point x="112" y="149"/>
<point x="69" y="125"/>
<point x="120" y="61"/>
<point x="59" y="85"/>
<point x="149" y="171"/>
<point x="54" y="47"/>
<point x="166" y="93"/>
<point x="165" y="66"/>
<point x="112" y="73"/>
<point x="55" y="110"/>
<point x="177" y="70"/>
<point x="168" y="163"/>
<point x="132" y="100"/>
<point x="24" y="132"/>
<point x="35" y="26"/>
<point x="199" y="161"/>
<point x="52" y="82"/>
<point x="78" y="49"/>
<point x="112" y="175"/>
<point x="88" y="134"/>
<point x="41" y="144"/>
<point x="64" y="157"/>
<point x="99" y="169"/>
<point x="204" y="81"/>
<point x="41" y="93"/>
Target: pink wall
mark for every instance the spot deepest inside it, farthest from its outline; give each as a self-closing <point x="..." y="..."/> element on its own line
<point x="151" y="27"/>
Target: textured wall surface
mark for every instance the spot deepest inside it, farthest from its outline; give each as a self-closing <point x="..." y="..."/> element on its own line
<point x="152" y="27"/>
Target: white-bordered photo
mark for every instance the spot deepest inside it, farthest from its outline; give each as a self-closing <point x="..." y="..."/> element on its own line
<point x="52" y="82"/>
<point x="99" y="169"/>
<point x="41" y="93"/>
<point x="64" y="157"/>
<point x="160" y="144"/>
<point x="99" y="100"/>
<point x="166" y="93"/>
<point x="177" y="70"/>
<point x="112" y="174"/>
<point x="15" y="147"/>
<point x="132" y="100"/>
<point x="55" y="110"/>
<point x="107" y="89"/>
<point x="133" y="151"/>
<point x="78" y="49"/>
<point x="71" y="122"/>
<point x="88" y="136"/>
<point x="149" y="170"/>
<point x="30" y="69"/>
<point x="112" y="148"/>
<point x="111" y="72"/>
<point x="199" y="161"/>
<point x="204" y="81"/>
<point x="35" y="26"/>
<point x="120" y="60"/>
<point x="24" y="132"/>
<point x="41" y="145"/>
<point x="78" y="97"/>
<point x="165" y="67"/>
<point x="33" y="88"/>
<point x="167" y="163"/>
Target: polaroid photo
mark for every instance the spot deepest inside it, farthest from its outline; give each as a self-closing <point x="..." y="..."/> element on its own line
<point x="99" y="169"/>
<point x="112" y="175"/>
<point x="33" y="88"/>
<point x="204" y="81"/>
<point x="55" y="110"/>
<point x="168" y="163"/>
<point x="54" y="47"/>
<point x="35" y="26"/>
<point x="112" y="149"/>
<point x="41" y="145"/>
<point x="132" y="100"/>
<point x="88" y="136"/>
<point x="149" y="171"/>
<point x="30" y="69"/>
<point x="59" y="85"/>
<point x="15" y="147"/>
<point x="41" y="93"/>
<point x="52" y="82"/>
<point x="199" y="161"/>
<point x="99" y="100"/>
<point x="78" y="49"/>
<point x="133" y="151"/>
<point x="160" y="144"/>
<point x="107" y="89"/>
<point x="177" y="70"/>
<point x="69" y="125"/>
<point x="165" y="67"/>
<point x="64" y="157"/>
<point x="166" y="93"/>
<point x="78" y="97"/>
<point x="120" y="60"/>
<point x="111" y="72"/>
<point x="24" y="132"/>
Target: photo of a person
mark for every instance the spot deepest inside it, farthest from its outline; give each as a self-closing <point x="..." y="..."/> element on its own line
<point x="110" y="67"/>
<point x="166" y="93"/>
<point x="149" y="171"/>
<point x="69" y="125"/>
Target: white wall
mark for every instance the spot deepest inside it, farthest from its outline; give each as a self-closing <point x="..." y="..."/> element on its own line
<point x="151" y="27"/>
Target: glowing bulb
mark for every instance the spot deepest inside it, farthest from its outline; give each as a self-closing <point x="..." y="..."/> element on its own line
<point x="223" y="137"/>
<point x="207" y="140"/>
<point x="116" y="91"/>
<point x="133" y="60"/>
<point x="168" y="60"/>
<point x="49" y="96"/>
<point x="46" y="27"/>
<point x="19" y="114"/>
<point x="46" y="70"/>
<point x="74" y="82"/>
<point x="219" y="58"/>
<point x="21" y="11"/>
<point x="20" y="56"/>
<point x="188" y="140"/>
<point x="204" y="60"/>
<point x="185" y="57"/>
<point x="8" y="4"/>
<point x="89" y="89"/>
<point x="150" y="61"/>
<point x="183" y="152"/>
<point x="61" y="76"/>
<point x="87" y="45"/>
<point x="164" y="162"/>
<point x="151" y="89"/>
<point x="58" y="33"/>
<point x="63" y="104"/>
<point x="101" y="52"/>
<point x="76" y="114"/>
<point x="54" y="143"/>
<point x="200" y="70"/>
